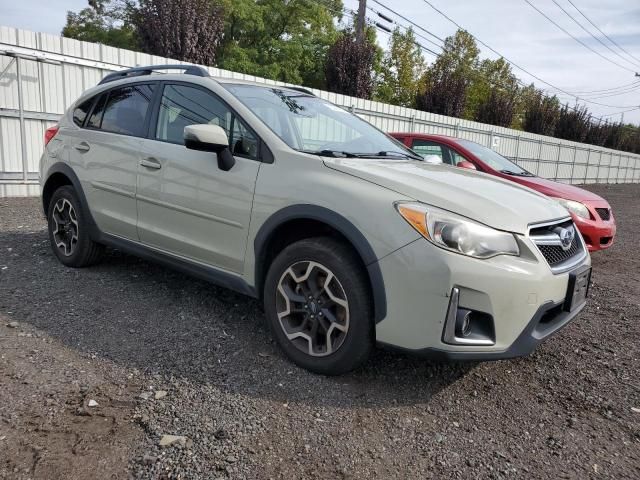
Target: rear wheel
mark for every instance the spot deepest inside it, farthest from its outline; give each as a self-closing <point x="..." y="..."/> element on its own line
<point x="68" y="230"/>
<point x="318" y="306"/>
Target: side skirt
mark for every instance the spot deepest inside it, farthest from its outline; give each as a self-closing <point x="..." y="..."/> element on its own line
<point x="198" y="270"/>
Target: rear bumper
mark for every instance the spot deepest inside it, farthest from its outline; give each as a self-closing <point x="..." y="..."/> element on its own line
<point x="547" y="320"/>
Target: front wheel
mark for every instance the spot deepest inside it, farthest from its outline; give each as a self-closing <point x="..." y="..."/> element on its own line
<point x="318" y="306"/>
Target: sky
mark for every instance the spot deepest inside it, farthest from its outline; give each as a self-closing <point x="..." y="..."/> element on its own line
<point x="511" y="27"/>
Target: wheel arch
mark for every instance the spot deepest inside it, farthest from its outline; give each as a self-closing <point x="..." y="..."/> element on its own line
<point x="58" y="175"/>
<point x="297" y="222"/>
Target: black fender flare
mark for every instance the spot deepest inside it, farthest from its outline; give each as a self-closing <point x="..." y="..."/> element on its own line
<point x="67" y="171"/>
<point x="337" y="222"/>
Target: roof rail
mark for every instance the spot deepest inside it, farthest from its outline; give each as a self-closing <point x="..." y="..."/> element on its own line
<point x="139" y="71"/>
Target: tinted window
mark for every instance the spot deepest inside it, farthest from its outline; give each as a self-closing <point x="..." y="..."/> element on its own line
<point x="96" y="116"/>
<point x="182" y="105"/>
<point x="81" y="111"/>
<point x="494" y="159"/>
<point x="122" y="110"/>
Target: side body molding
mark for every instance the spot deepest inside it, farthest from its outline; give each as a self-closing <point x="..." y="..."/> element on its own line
<point x="339" y="223"/>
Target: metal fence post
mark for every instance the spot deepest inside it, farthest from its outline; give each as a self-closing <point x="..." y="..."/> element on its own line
<point x="555" y="175"/>
<point x="412" y="123"/>
<point x="23" y="135"/>
<point x="539" y="156"/>
<point x="599" y="164"/>
<point x="586" y="170"/>
<point x="573" y="163"/>
<point x="457" y="129"/>
<point x="517" y="148"/>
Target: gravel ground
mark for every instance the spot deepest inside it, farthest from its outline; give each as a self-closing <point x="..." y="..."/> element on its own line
<point x="164" y="354"/>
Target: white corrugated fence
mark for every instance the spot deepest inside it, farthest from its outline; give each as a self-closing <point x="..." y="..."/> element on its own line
<point x="42" y="74"/>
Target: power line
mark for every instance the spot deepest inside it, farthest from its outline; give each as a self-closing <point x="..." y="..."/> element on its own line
<point x="515" y="64"/>
<point x="605" y="35"/>
<point x="576" y="38"/>
<point x="390" y="20"/>
<point x="606" y="90"/>
<point x="592" y="35"/>
<point x="407" y="20"/>
<point x="618" y="113"/>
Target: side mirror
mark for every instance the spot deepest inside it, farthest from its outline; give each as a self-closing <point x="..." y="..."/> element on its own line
<point x="466" y="164"/>
<point x="432" y="159"/>
<point x="210" y="138"/>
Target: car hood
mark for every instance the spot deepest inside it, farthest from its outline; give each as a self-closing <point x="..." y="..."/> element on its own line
<point x="561" y="190"/>
<point x="487" y="199"/>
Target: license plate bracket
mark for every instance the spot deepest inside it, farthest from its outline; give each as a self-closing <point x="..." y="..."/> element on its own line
<point x="577" y="289"/>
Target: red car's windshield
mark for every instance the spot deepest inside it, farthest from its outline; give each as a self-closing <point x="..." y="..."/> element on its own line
<point x="493" y="159"/>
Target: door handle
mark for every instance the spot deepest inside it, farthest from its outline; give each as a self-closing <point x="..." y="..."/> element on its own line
<point x="151" y="162"/>
<point x="82" y="147"/>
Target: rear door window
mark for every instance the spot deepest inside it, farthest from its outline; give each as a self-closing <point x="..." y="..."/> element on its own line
<point x="123" y="110"/>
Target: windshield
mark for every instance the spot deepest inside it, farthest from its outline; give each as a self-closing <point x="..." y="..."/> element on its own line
<point x="493" y="159"/>
<point x="310" y="124"/>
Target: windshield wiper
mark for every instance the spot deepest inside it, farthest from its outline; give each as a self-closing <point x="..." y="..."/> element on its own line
<point x="403" y="154"/>
<point x="517" y="174"/>
<point x="331" y="153"/>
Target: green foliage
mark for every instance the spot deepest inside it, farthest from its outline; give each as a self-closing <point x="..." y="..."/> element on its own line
<point x="286" y="41"/>
<point x="401" y="70"/>
<point x="498" y="108"/>
<point x="445" y="83"/>
<point x="103" y="21"/>
<point x="487" y="77"/>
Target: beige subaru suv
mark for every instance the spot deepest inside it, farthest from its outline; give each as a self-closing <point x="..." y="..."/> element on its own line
<point x="349" y="238"/>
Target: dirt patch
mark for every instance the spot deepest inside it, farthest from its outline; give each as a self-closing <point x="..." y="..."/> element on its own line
<point x="571" y="410"/>
<point x="62" y="415"/>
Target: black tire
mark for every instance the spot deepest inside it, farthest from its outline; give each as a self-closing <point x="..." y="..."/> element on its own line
<point x="84" y="251"/>
<point x="357" y="343"/>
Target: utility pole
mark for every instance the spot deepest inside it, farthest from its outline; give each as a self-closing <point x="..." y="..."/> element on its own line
<point x="362" y="15"/>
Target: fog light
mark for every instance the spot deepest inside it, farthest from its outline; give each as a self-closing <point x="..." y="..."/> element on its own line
<point x="467" y="327"/>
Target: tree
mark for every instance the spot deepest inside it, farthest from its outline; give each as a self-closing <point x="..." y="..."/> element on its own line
<point x="573" y="123"/>
<point x="541" y="114"/>
<point x="349" y="66"/>
<point x="444" y="84"/>
<point x="498" y="108"/>
<point x="281" y="40"/>
<point x="103" y="21"/>
<point x="401" y="70"/>
<point x="489" y="76"/>
<point x="187" y="30"/>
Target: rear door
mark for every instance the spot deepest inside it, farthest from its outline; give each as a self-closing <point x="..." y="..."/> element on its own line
<point x="105" y="154"/>
<point x="186" y="205"/>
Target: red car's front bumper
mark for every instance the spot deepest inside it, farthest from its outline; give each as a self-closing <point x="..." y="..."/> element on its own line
<point x="599" y="230"/>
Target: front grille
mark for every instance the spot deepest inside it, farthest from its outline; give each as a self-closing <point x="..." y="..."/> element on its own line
<point x="547" y="239"/>
<point x="605" y="213"/>
<point x="555" y="254"/>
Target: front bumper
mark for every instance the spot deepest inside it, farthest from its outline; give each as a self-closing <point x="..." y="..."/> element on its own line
<point x="521" y="294"/>
<point x="548" y="320"/>
<point x="598" y="234"/>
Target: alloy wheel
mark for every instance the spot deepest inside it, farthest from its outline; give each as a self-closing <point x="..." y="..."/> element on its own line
<point x="65" y="227"/>
<point x="312" y="308"/>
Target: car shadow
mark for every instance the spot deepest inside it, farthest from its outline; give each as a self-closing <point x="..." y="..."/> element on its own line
<point x="141" y="315"/>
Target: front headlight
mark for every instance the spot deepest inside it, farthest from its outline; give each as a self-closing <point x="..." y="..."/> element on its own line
<point x="574" y="207"/>
<point x="456" y="233"/>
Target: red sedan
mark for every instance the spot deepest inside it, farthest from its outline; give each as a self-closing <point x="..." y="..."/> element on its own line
<point x="590" y="212"/>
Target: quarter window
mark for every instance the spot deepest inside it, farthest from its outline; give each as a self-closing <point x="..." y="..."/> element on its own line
<point x="123" y="110"/>
<point x="181" y="106"/>
<point x="81" y="111"/>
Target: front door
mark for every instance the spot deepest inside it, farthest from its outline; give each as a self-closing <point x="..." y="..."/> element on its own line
<point x="186" y="205"/>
